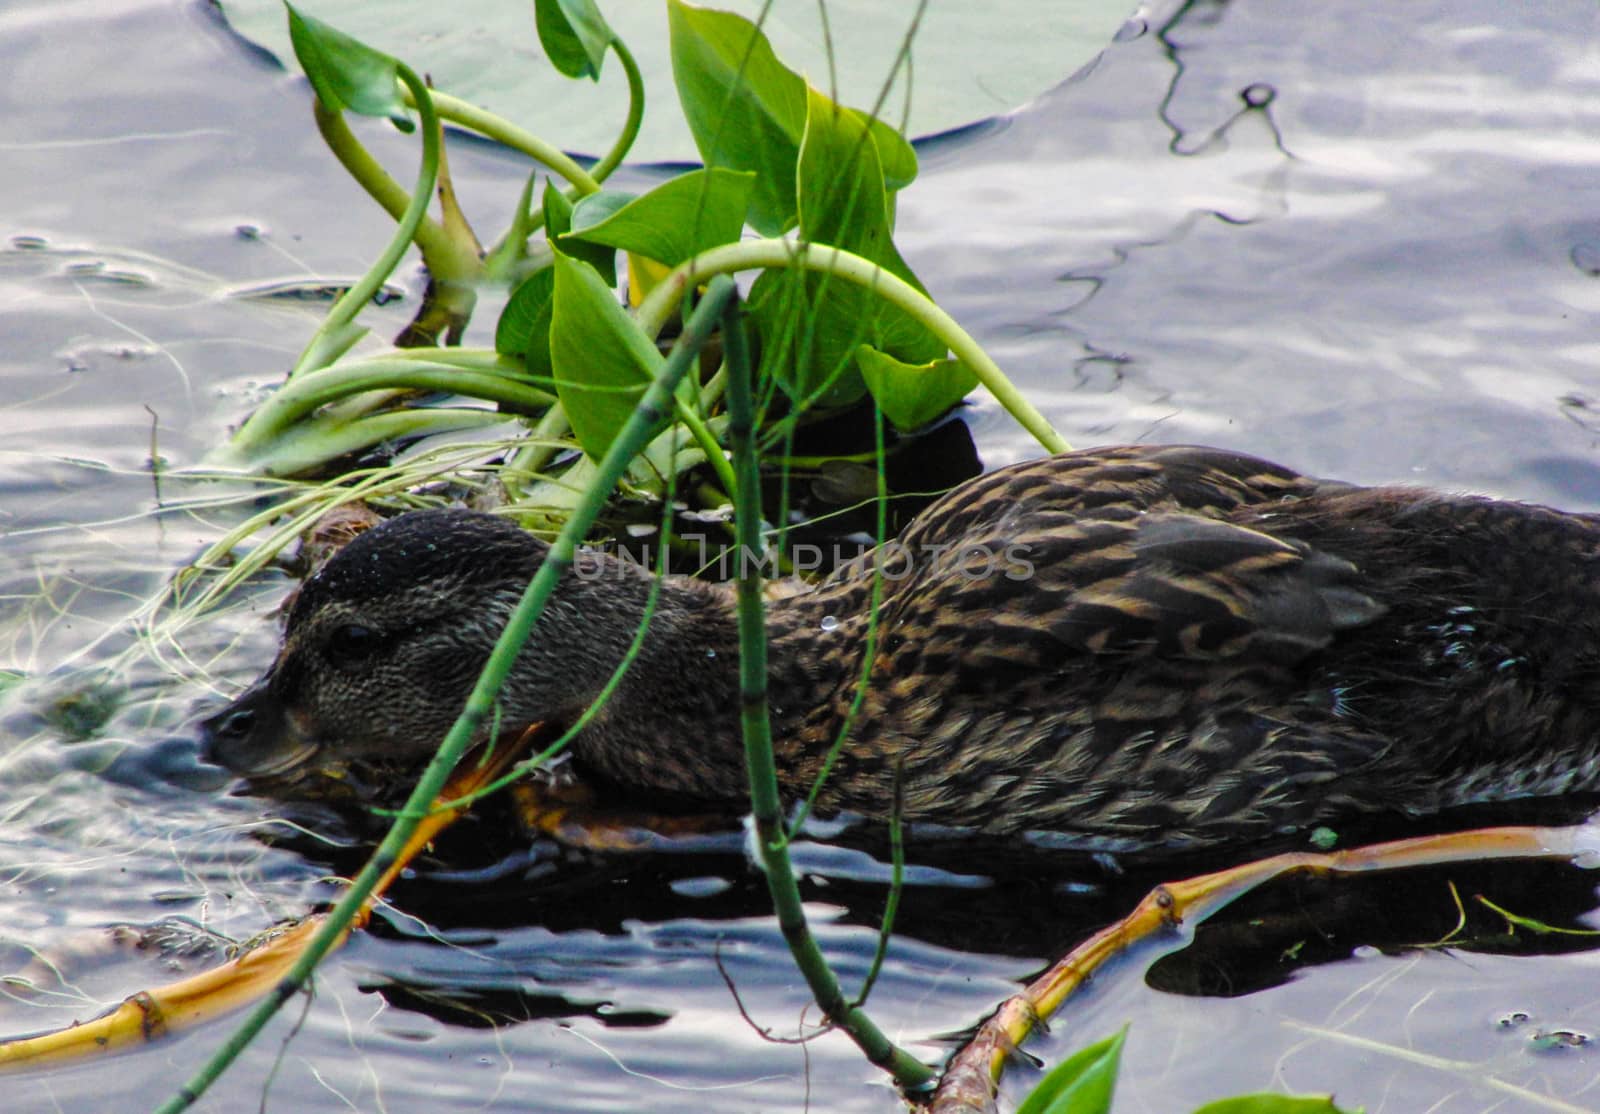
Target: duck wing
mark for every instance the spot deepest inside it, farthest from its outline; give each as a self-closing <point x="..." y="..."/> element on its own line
<point x="1183" y="585"/>
<point x="1125" y="551"/>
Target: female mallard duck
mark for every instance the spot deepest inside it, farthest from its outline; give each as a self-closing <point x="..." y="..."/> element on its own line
<point x="1143" y="645"/>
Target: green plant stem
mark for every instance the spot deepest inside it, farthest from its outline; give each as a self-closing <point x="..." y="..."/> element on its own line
<point x="651" y="410"/>
<point x="500" y="381"/>
<point x="776" y="254"/>
<point x="891" y="906"/>
<point x="445" y="256"/>
<point x="312" y="444"/>
<point x="765" y="806"/>
<point x="869" y="646"/>
<point x="501" y="130"/>
<point x="630" y="127"/>
<point x="338" y="330"/>
<point x="715" y="457"/>
<point x="538" y="449"/>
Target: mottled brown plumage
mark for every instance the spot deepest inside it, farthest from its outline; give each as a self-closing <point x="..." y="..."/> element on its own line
<point x="1143" y="645"/>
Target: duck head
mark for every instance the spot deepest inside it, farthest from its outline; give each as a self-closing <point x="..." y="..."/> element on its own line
<point x="384" y="643"/>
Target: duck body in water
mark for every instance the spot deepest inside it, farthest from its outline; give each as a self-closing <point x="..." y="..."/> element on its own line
<point x="1143" y="645"/>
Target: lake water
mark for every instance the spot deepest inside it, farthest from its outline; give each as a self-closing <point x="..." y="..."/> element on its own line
<point x="1362" y="239"/>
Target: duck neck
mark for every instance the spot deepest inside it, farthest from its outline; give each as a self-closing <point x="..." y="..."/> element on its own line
<point x="672" y="725"/>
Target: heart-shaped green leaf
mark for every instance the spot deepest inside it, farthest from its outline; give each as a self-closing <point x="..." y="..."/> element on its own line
<point x="912" y="395"/>
<point x="747" y="110"/>
<point x="574" y="34"/>
<point x="601" y="360"/>
<point x="677" y="220"/>
<point x="523" y="331"/>
<point x="346" y="73"/>
<point x="812" y="325"/>
<point x="558" y="214"/>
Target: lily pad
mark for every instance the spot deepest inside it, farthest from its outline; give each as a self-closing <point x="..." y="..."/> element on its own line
<point x="970" y="61"/>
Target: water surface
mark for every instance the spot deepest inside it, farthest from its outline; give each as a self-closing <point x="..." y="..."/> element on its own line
<point x="1359" y="238"/>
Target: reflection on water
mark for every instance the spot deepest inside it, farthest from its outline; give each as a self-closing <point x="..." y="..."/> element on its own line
<point x="1358" y="238"/>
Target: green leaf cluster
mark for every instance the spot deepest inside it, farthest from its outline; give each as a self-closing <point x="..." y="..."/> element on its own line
<point x="782" y="159"/>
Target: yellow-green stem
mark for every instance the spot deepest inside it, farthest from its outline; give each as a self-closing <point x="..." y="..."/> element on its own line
<point x="501" y="130"/>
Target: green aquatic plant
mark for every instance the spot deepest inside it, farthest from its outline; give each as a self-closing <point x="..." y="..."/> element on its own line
<point x="837" y="315"/>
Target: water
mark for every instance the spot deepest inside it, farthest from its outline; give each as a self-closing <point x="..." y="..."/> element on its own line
<point x="1358" y="238"/>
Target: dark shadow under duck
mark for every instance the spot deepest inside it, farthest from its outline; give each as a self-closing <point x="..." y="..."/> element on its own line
<point x="1149" y="646"/>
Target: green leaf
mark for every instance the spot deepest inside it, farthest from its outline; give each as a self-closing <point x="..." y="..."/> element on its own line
<point x="748" y="110"/>
<point x="346" y="73"/>
<point x="523" y="331"/>
<point x="1081" y="1084"/>
<point x="1276" y="1104"/>
<point x="594" y="208"/>
<point x="574" y="34"/>
<point x="841" y="200"/>
<point x="912" y="395"/>
<point x="675" y="221"/>
<point x="558" y="212"/>
<point x="601" y="360"/>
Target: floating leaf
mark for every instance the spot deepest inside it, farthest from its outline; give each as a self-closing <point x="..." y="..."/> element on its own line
<point x="972" y="61"/>
<point x="1276" y="1104"/>
<point x="574" y="34"/>
<point x="601" y="360"/>
<point x="677" y="220"/>
<point x="1081" y="1084"/>
<point x="346" y="73"/>
<point x="912" y="395"/>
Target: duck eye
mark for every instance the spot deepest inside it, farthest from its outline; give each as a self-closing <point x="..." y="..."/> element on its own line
<point x="352" y="644"/>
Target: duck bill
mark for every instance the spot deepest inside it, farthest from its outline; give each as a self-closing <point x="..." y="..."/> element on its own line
<point x="255" y="737"/>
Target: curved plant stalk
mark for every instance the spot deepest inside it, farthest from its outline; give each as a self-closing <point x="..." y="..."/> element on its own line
<point x="445" y="255"/>
<point x="973" y="1074"/>
<point x="493" y="378"/>
<point x="775" y="254"/>
<point x="312" y="444"/>
<point x="338" y="330"/>
<point x="651" y="410"/>
<point x="152" y="1014"/>
<point x="503" y="131"/>
<point x="766" y="809"/>
<point x="630" y="127"/>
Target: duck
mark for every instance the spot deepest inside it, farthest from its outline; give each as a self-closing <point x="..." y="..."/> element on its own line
<point x="1148" y="646"/>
